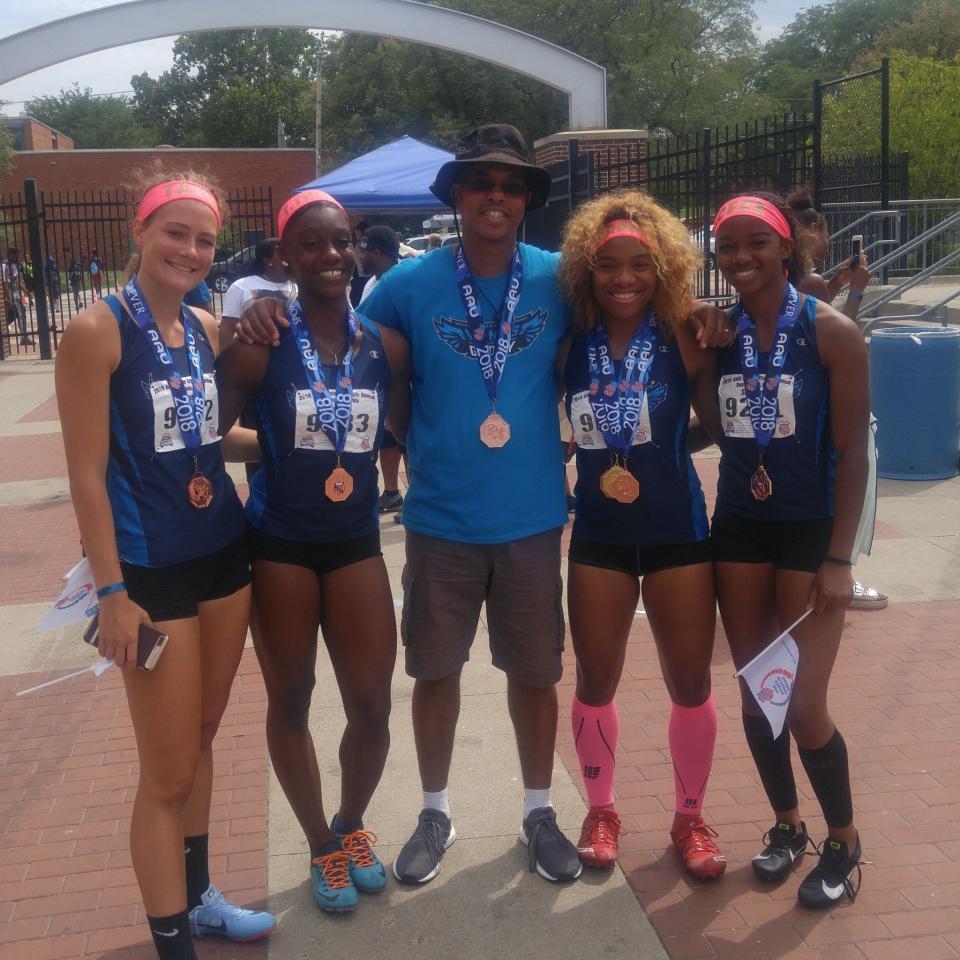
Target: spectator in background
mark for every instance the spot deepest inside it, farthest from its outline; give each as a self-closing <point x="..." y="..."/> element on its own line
<point x="15" y="294"/>
<point x="74" y="277"/>
<point x="434" y="241"/>
<point x="359" y="274"/>
<point x="379" y="251"/>
<point x="53" y="282"/>
<point x="96" y="274"/>
<point x="270" y="277"/>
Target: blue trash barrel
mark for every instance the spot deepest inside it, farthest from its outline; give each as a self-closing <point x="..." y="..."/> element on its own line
<point x="915" y="395"/>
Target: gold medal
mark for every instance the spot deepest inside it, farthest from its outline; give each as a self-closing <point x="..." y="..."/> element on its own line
<point x="761" y="486"/>
<point x="199" y="489"/>
<point x="608" y="477"/>
<point x="339" y="485"/>
<point x="624" y="487"/>
<point x="494" y="431"/>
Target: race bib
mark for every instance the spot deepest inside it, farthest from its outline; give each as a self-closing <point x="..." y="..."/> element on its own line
<point x="364" y="421"/>
<point x="587" y="432"/>
<point x="736" y="417"/>
<point x="166" y="431"/>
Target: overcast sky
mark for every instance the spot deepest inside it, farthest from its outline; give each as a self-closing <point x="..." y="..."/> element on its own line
<point x="110" y="70"/>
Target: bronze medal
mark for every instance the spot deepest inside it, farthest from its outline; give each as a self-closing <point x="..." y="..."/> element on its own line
<point x="608" y="477"/>
<point x="199" y="492"/>
<point x="339" y="485"/>
<point x="494" y="431"/>
<point x="624" y="487"/>
<point x="761" y="486"/>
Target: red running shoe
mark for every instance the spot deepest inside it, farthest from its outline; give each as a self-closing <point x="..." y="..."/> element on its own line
<point x="599" y="846"/>
<point x="700" y="854"/>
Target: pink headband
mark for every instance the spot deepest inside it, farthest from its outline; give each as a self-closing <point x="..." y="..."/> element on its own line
<point x="622" y="228"/>
<point x="300" y="200"/>
<point x="163" y="193"/>
<point x="755" y="207"/>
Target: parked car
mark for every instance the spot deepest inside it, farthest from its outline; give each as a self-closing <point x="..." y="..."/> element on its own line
<point x="227" y="269"/>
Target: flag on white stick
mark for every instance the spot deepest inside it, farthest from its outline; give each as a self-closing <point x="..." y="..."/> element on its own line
<point x="98" y="669"/>
<point x="77" y="600"/>
<point x="771" y="674"/>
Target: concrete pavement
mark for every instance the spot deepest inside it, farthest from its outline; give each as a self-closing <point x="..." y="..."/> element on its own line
<point x="69" y="771"/>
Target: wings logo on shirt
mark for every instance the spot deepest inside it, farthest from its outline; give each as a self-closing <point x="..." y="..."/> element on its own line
<point x="656" y="394"/>
<point x="455" y="333"/>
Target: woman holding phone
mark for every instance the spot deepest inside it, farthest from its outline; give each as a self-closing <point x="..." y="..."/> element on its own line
<point x="164" y="532"/>
<point x="794" y="406"/>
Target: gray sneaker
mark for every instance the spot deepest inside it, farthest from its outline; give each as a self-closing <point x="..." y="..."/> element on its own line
<point x="551" y="854"/>
<point x="419" y="860"/>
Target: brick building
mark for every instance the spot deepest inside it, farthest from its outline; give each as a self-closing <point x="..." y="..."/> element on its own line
<point x="30" y="134"/>
<point x="622" y="150"/>
<point x="88" y="194"/>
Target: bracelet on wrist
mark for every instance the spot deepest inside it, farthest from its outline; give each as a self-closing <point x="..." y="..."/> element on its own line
<point x="837" y="561"/>
<point x="855" y="295"/>
<point x="118" y="587"/>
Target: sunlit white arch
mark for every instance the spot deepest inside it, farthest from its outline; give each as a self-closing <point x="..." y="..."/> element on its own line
<point x="583" y="81"/>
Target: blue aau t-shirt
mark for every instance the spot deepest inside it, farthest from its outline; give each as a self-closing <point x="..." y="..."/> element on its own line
<point x="460" y="489"/>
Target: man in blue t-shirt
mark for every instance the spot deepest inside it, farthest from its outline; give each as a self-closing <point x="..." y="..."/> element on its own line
<point x="486" y="505"/>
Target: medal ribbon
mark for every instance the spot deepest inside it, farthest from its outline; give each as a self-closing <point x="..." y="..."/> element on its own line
<point x="491" y="342"/>
<point x="189" y="400"/>
<point x="762" y="390"/>
<point x="333" y="404"/>
<point x="617" y="401"/>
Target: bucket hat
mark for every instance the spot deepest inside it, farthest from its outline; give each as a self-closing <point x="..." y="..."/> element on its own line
<point x="492" y="143"/>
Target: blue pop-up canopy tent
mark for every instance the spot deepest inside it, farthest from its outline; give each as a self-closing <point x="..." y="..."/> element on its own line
<point x="396" y="176"/>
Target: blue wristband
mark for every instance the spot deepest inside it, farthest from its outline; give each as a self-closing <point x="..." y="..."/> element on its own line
<point x="855" y="295"/>
<point x="111" y="588"/>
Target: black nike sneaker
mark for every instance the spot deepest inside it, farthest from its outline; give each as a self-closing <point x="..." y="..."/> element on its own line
<point x="785" y="845"/>
<point x="829" y="881"/>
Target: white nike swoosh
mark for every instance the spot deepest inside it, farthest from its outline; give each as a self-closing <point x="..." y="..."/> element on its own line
<point x="161" y="933"/>
<point x="833" y="893"/>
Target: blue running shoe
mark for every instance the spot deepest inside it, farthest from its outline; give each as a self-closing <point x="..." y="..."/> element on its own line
<point x="333" y="889"/>
<point x="366" y="870"/>
<point x="216" y="916"/>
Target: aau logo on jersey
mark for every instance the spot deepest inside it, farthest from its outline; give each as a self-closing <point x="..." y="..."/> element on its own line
<point x="456" y="334"/>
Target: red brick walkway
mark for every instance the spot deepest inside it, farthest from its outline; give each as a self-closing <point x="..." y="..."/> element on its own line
<point x="67" y="889"/>
<point x="894" y="696"/>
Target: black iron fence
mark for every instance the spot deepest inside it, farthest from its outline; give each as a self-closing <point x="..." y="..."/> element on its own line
<point x="71" y="248"/>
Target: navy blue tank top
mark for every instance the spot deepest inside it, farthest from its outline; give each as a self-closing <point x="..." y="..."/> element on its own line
<point x="287" y="496"/>
<point x="800" y="459"/>
<point x="149" y="466"/>
<point x="670" y="508"/>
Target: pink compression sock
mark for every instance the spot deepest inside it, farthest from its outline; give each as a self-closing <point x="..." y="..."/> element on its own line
<point x="595" y="732"/>
<point x="692" y="734"/>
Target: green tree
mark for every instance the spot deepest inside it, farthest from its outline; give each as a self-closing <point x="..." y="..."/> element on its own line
<point x="823" y="42"/>
<point x="92" y="121"/>
<point x="229" y="88"/>
<point x="924" y="120"/>
<point x="933" y="31"/>
<point x="6" y="149"/>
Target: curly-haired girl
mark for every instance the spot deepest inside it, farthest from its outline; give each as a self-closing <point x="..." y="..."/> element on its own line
<point x="640" y="527"/>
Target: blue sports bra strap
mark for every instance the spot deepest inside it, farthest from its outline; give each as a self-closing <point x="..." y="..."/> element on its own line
<point x="113" y="302"/>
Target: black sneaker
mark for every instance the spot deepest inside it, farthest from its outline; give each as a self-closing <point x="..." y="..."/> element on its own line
<point x="551" y="854"/>
<point x="828" y="882"/>
<point x="419" y="860"/>
<point x="389" y="502"/>
<point x="785" y="845"/>
<point x="398" y="516"/>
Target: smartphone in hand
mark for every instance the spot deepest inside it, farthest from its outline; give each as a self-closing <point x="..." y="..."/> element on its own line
<point x="150" y="642"/>
<point x="856" y="242"/>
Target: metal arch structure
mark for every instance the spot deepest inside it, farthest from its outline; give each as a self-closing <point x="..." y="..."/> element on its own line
<point x="583" y="81"/>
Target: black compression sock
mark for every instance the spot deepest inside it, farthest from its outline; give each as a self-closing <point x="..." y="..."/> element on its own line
<point x="772" y="758"/>
<point x="829" y="774"/>
<point x="171" y="937"/>
<point x="198" y="871"/>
